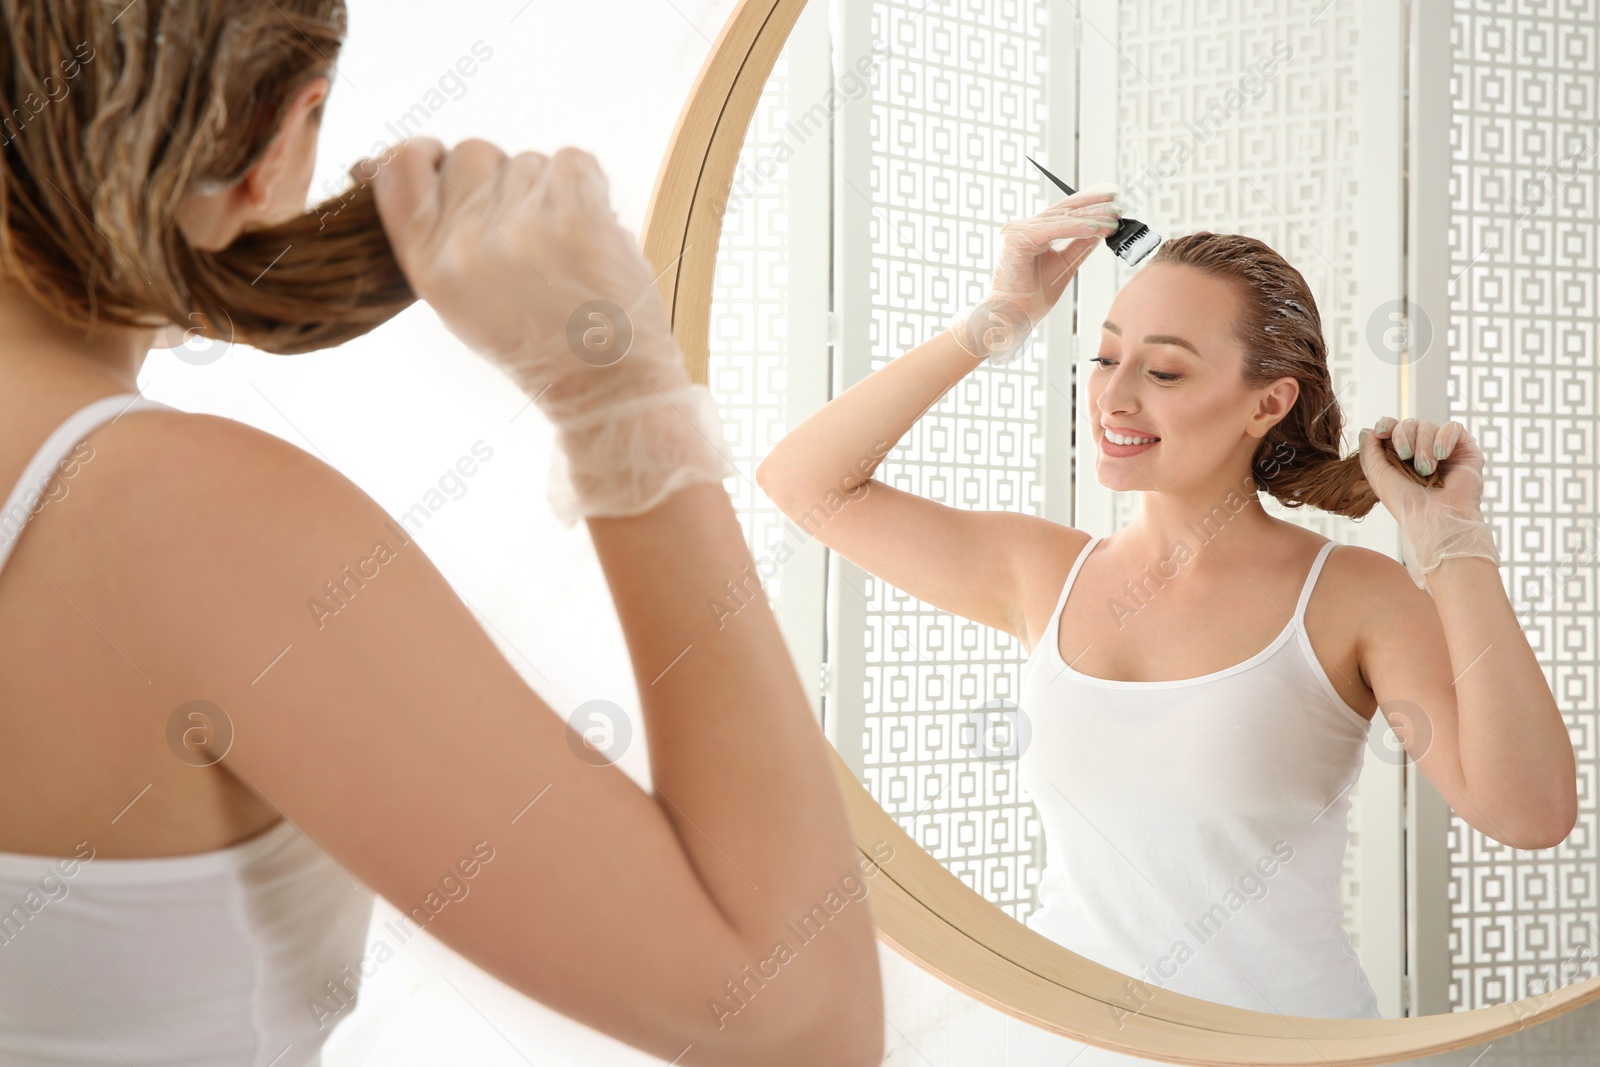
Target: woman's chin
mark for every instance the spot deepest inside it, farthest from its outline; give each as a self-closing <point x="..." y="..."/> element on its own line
<point x="1123" y="480"/>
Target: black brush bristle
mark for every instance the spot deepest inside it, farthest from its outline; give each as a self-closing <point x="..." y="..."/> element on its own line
<point x="1132" y="241"/>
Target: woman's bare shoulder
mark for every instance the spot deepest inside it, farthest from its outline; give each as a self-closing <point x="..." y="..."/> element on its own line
<point x="183" y="513"/>
<point x="366" y="703"/>
<point x="1049" y="551"/>
<point x="178" y="451"/>
<point x="1372" y="571"/>
<point x="217" y="474"/>
<point x="1354" y="580"/>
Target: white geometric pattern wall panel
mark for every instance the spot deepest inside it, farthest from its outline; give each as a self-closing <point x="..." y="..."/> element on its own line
<point x="748" y="361"/>
<point x="1255" y="143"/>
<point x="956" y="106"/>
<point x="1524" y="198"/>
<point x="1240" y="117"/>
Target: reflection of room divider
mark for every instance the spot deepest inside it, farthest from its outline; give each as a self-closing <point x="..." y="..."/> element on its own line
<point x="926" y="700"/>
<point x="1509" y="220"/>
<point x="768" y="344"/>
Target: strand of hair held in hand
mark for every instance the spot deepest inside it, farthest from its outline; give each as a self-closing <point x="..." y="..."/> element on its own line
<point x="336" y="258"/>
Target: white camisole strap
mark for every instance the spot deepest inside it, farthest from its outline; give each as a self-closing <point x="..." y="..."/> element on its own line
<point x="1072" y="576"/>
<point x="26" y="496"/>
<point x="1311" y="581"/>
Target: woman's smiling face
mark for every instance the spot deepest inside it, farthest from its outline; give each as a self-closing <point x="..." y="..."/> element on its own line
<point x="1169" y="367"/>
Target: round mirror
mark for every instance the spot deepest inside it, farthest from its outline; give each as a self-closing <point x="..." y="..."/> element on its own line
<point x="1165" y="825"/>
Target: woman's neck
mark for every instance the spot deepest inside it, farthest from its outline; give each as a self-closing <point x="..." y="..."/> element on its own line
<point x="36" y="339"/>
<point x="1219" y="533"/>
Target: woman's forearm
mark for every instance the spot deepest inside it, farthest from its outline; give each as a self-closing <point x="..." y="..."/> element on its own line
<point x="1516" y="755"/>
<point x="839" y="446"/>
<point x="738" y="761"/>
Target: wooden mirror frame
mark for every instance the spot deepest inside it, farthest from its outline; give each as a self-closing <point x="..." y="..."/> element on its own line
<point x="922" y="910"/>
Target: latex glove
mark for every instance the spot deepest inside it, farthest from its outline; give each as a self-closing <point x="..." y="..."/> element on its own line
<point x="525" y="262"/>
<point x="1038" y="257"/>
<point x="1435" y="524"/>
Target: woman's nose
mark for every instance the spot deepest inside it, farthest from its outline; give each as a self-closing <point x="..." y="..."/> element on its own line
<point x="1114" y="396"/>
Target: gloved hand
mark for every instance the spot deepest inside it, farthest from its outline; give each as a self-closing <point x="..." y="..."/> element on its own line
<point x="525" y="262"/>
<point x="1435" y="524"/>
<point x="1032" y="271"/>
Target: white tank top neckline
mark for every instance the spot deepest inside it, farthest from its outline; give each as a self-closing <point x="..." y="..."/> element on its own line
<point x="1050" y="641"/>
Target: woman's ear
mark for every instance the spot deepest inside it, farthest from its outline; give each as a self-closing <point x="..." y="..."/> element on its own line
<point x="273" y="190"/>
<point x="292" y="153"/>
<point x="1276" y="401"/>
<point x="1280" y="397"/>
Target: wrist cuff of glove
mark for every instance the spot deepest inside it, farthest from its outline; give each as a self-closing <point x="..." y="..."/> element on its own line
<point x="992" y="330"/>
<point x="626" y="458"/>
<point x="1448" y="536"/>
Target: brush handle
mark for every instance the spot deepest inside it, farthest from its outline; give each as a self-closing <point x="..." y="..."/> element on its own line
<point x="1063" y="186"/>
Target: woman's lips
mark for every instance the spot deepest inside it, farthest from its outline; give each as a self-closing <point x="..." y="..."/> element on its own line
<point x="1112" y="449"/>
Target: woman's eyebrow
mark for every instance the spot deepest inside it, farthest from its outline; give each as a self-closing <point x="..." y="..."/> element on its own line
<point x="1155" y="338"/>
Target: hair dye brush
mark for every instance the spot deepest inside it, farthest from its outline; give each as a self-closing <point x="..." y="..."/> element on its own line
<point x="1131" y="241"/>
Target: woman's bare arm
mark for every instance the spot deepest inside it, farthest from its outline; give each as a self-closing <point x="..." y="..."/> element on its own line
<point x="972" y="563"/>
<point x="397" y="737"/>
<point x="1455" y="677"/>
<point x="976" y="564"/>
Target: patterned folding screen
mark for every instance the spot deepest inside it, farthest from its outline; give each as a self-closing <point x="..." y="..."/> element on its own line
<point x="768" y="362"/>
<point x="931" y="170"/>
<point x="1524" y="198"/>
<point x="749" y="362"/>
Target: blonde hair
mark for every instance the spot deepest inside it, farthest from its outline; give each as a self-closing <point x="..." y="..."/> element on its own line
<point x="1298" y="461"/>
<point x="112" y="114"/>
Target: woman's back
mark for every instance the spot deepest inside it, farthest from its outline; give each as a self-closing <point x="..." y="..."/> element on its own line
<point x="173" y="679"/>
<point x="65" y="774"/>
<point x="219" y="941"/>
<point x="390" y="747"/>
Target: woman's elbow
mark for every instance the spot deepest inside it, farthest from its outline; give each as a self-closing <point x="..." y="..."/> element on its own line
<point x="774" y="480"/>
<point x="1561" y="825"/>
<point x="765" y="474"/>
<point x="1550" y="828"/>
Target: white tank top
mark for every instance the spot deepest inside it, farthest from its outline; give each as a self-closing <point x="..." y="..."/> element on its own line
<point x="240" y="957"/>
<point x="1195" y="829"/>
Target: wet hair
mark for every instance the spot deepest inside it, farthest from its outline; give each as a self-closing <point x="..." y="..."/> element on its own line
<point x="1298" y="460"/>
<point x="112" y="113"/>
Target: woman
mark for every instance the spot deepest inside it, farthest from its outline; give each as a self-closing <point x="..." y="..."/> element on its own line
<point x="202" y="784"/>
<point x="1197" y="714"/>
